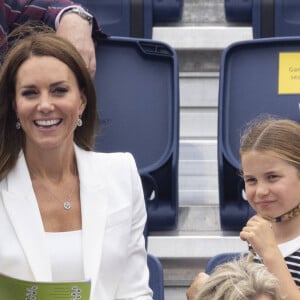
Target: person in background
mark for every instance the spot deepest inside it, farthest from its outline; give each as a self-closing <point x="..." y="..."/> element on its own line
<point x="70" y="20"/>
<point x="239" y="280"/>
<point x="270" y="160"/>
<point x="67" y="213"/>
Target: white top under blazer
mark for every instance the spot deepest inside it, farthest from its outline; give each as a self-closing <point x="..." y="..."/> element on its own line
<point x="65" y="251"/>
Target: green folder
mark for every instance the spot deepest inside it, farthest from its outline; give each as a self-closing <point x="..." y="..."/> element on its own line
<point x="16" y="289"/>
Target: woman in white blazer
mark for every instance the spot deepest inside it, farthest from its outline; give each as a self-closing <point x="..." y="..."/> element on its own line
<point x="66" y="212"/>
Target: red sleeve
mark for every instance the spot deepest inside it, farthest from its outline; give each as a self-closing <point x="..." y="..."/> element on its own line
<point x="16" y="12"/>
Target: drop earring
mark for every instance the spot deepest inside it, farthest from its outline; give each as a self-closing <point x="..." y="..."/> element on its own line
<point x="18" y="125"/>
<point x="79" y="122"/>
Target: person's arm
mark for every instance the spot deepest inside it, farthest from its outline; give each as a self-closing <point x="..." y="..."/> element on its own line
<point x="71" y="26"/>
<point x="18" y="12"/>
<point x="259" y="234"/>
<point x="76" y="17"/>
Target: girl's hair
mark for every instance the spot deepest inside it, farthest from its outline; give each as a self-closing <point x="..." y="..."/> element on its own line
<point x="239" y="280"/>
<point x="280" y="137"/>
<point x="31" y="41"/>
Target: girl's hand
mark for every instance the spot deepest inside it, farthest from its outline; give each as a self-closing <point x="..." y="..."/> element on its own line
<point x="259" y="234"/>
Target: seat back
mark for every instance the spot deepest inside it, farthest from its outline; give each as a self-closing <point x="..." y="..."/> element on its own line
<point x="156" y="277"/>
<point x="237" y="11"/>
<point x="221" y="259"/>
<point x="269" y="18"/>
<point x="260" y="76"/>
<point x="138" y="104"/>
<point x="133" y="18"/>
<point x="275" y="18"/>
<point x="167" y="10"/>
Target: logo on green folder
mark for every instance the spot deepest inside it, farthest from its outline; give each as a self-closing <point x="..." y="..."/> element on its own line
<point x="16" y="289"/>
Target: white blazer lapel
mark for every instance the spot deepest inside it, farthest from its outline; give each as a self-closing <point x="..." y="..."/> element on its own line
<point x="93" y="209"/>
<point x="20" y="202"/>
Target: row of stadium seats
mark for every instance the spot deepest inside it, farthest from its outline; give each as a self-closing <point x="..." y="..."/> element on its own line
<point x="269" y="18"/>
<point x="137" y="85"/>
<point x="258" y="76"/>
<point x="133" y="18"/>
<point x="138" y="97"/>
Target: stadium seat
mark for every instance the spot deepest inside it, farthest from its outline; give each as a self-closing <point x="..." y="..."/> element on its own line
<point x="260" y="76"/>
<point x="167" y="10"/>
<point x="138" y="103"/>
<point x="156" y="277"/>
<point x="133" y="18"/>
<point x="220" y="259"/>
<point x="269" y="18"/>
<point x="238" y="11"/>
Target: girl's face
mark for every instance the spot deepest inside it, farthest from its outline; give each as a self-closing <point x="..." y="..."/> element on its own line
<point x="48" y="102"/>
<point x="272" y="185"/>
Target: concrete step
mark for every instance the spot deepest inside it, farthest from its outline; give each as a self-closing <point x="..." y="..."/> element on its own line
<point x="185" y="252"/>
<point x="201" y="37"/>
<point x="198" y="133"/>
<point x="202" y="12"/>
<point x="194" y="246"/>
<point x="198" y="104"/>
<point x="198" y="235"/>
<point x="198" y="181"/>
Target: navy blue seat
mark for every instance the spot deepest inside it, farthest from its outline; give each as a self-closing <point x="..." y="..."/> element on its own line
<point x="138" y="103"/>
<point x="269" y="18"/>
<point x="167" y="10"/>
<point x="249" y="86"/>
<point x="156" y="277"/>
<point x="221" y="259"/>
<point x="133" y="18"/>
<point x="237" y="11"/>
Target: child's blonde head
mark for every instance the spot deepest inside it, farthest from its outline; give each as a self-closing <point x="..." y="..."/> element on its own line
<point x="279" y="137"/>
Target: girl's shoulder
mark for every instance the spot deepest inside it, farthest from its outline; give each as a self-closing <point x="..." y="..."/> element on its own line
<point x="290" y="247"/>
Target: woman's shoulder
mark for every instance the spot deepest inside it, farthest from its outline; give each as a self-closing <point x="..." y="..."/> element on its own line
<point x="112" y="159"/>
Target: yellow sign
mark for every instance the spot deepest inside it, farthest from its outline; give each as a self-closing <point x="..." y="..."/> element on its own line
<point x="289" y="73"/>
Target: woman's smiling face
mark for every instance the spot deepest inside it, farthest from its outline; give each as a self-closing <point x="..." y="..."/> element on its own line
<point x="48" y="102"/>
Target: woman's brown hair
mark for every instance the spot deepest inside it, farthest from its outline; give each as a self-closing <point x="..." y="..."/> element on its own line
<point x="40" y="41"/>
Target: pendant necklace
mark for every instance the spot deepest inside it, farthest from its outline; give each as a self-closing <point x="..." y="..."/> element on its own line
<point x="67" y="204"/>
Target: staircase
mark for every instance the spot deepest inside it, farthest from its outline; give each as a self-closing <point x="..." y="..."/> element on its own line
<point x="199" y="40"/>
